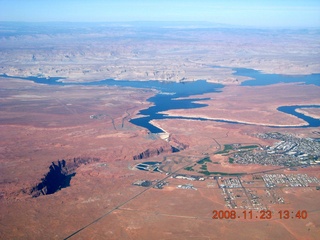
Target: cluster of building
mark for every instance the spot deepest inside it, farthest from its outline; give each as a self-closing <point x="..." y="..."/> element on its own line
<point x="186" y="186"/>
<point x="147" y="183"/>
<point x="188" y="177"/>
<point x="160" y="185"/>
<point x="275" y="198"/>
<point x="237" y="195"/>
<point x="230" y="183"/>
<point x="289" y="151"/>
<point x="229" y="198"/>
<point x="292" y="180"/>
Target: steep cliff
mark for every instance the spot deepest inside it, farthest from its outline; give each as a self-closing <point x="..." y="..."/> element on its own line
<point x="154" y="151"/>
<point x="175" y="143"/>
<point x="59" y="176"/>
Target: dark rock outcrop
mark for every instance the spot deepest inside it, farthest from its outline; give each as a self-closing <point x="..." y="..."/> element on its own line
<point x="174" y="149"/>
<point x="170" y="147"/>
<point x="175" y="143"/>
<point x="59" y="176"/>
<point x="154" y="151"/>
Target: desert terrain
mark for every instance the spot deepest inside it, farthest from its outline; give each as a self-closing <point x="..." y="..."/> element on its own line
<point x="312" y="112"/>
<point x="91" y="52"/>
<point x="67" y="168"/>
<point x="257" y="105"/>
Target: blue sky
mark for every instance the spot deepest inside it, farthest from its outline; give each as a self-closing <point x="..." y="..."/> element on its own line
<point x="257" y="13"/>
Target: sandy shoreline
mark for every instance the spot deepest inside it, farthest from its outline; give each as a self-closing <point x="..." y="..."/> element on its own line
<point x="308" y="112"/>
<point x="235" y="121"/>
<point x="158" y="126"/>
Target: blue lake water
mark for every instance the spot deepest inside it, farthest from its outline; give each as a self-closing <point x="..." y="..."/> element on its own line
<point x="151" y="163"/>
<point x="263" y="79"/>
<point x="169" y="92"/>
<point x="312" y="122"/>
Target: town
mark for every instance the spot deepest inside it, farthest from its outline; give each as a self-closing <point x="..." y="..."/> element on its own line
<point x="289" y="151"/>
<point x="255" y="191"/>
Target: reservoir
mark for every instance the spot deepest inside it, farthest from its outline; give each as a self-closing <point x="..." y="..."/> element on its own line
<point x="312" y="122"/>
<point x="172" y="95"/>
<point x="263" y="79"/>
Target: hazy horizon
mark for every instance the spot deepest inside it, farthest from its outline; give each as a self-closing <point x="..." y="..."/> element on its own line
<point x="240" y="13"/>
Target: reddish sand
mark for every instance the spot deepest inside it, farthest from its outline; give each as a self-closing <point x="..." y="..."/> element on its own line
<point x="255" y="105"/>
<point x="41" y="124"/>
